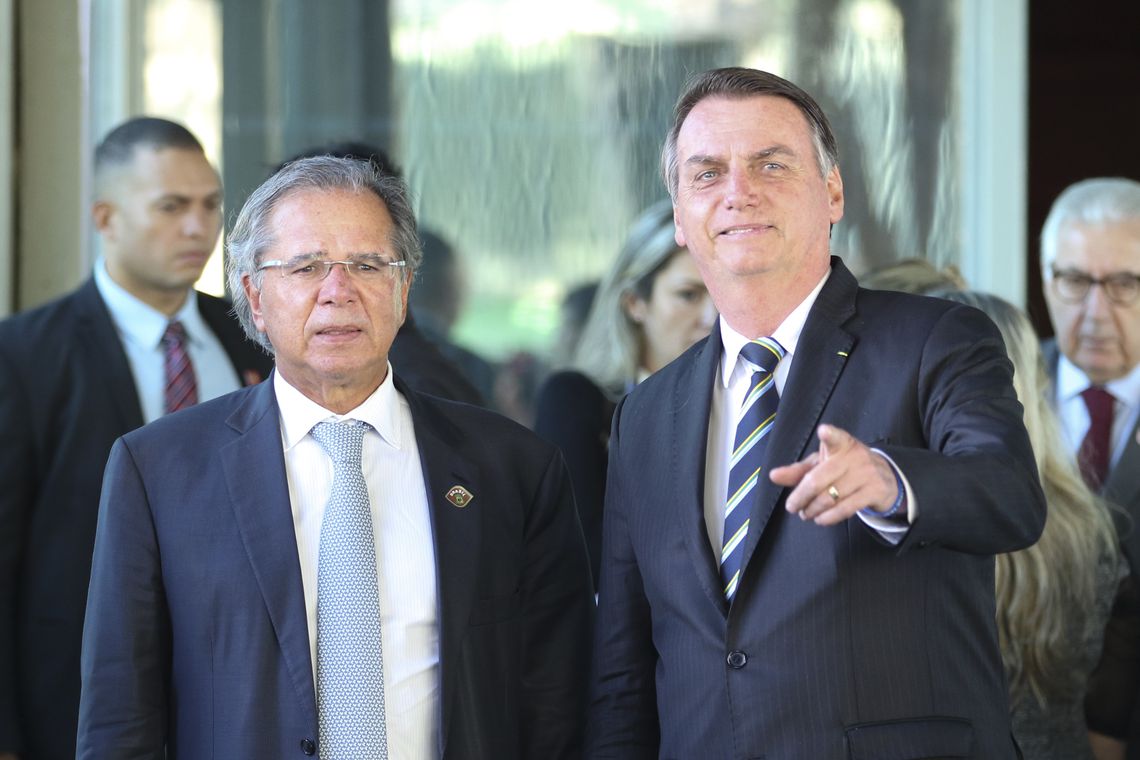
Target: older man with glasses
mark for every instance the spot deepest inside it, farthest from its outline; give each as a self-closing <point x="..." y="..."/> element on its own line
<point x="1090" y="257"/>
<point x="1090" y="261"/>
<point x="331" y="563"/>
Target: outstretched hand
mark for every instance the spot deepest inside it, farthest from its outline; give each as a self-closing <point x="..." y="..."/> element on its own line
<point x="843" y="477"/>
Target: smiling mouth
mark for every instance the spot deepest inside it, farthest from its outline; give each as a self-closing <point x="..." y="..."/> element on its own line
<point x="749" y="229"/>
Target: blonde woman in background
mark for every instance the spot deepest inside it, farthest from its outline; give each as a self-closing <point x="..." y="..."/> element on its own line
<point x="1054" y="598"/>
<point x="651" y="306"/>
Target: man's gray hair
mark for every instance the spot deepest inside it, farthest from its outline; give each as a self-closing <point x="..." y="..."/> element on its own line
<point x="1100" y="200"/>
<point x="252" y="234"/>
<point x="738" y="82"/>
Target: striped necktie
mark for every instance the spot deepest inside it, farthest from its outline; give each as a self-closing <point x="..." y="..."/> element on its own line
<point x="350" y="652"/>
<point x="757" y="415"/>
<point x="181" y="387"/>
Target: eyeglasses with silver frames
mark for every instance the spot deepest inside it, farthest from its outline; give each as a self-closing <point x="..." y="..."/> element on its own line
<point x="304" y="269"/>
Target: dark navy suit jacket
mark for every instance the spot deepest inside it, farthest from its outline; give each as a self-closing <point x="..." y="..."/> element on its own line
<point x="837" y="645"/>
<point x="66" y="394"/>
<point x="196" y="637"/>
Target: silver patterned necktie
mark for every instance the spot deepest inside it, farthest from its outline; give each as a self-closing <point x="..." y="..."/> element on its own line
<point x="350" y="657"/>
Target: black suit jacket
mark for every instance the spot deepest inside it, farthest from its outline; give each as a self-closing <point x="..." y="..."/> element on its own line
<point x="1113" y="705"/>
<point x="66" y="393"/>
<point x="421" y="364"/>
<point x="196" y="634"/>
<point x="1123" y="484"/>
<point x="575" y="414"/>
<point x="837" y="644"/>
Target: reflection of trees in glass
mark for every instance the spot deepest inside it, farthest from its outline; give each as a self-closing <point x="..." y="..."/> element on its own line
<point x="887" y="82"/>
<point x="532" y="139"/>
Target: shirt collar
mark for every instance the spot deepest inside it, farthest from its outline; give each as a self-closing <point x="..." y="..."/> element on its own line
<point x="787" y="334"/>
<point x="1071" y="381"/>
<point x="299" y="413"/>
<point x="140" y="322"/>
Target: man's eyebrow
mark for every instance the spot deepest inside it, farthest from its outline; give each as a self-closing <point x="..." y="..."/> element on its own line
<point x="703" y="159"/>
<point x="774" y="150"/>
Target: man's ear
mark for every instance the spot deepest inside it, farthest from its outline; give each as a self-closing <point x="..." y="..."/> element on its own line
<point x="678" y="233"/>
<point x="254" y="296"/>
<point x="103" y="217"/>
<point x="835" y="194"/>
<point x="404" y="291"/>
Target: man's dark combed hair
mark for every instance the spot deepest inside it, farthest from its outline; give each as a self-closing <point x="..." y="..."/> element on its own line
<point x="120" y="143"/>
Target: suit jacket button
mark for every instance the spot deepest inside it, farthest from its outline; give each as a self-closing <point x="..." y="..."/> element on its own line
<point x="737" y="660"/>
<point x="308" y="747"/>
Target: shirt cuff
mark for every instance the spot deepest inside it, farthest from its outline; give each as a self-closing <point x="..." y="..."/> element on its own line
<point x="892" y="529"/>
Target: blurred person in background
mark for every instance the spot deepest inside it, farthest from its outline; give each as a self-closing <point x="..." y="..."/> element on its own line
<point x="1090" y="266"/>
<point x="572" y="316"/>
<point x="1053" y="598"/>
<point x="913" y="276"/>
<point x="438" y="299"/>
<point x="132" y="343"/>
<point x="650" y="307"/>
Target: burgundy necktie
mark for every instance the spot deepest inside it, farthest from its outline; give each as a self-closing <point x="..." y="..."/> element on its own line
<point x="1093" y="456"/>
<point x="181" y="388"/>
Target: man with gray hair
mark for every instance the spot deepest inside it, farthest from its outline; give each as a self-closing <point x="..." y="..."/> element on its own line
<point x="1090" y="266"/>
<point x="330" y="563"/>
<point x="1090" y="263"/>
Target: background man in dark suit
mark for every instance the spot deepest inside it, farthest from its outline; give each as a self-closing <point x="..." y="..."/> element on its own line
<point x="214" y="622"/>
<point x="1090" y="262"/>
<point x="849" y="610"/>
<point x="81" y="371"/>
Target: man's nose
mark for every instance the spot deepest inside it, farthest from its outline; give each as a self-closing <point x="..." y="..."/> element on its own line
<point x="1097" y="303"/>
<point x="197" y="222"/>
<point x="739" y="187"/>
<point x="338" y="285"/>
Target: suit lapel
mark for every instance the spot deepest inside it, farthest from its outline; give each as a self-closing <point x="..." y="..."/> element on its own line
<point x="1123" y="484"/>
<point x="102" y="348"/>
<point x="241" y="352"/>
<point x="692" y="405"/>
<point x="457" y="531"/>
<point x="254" y="468"/>
<point x="821" y="354"/>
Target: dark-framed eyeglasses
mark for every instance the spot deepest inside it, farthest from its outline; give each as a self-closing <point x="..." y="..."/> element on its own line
<point x="1073" y="286"/>
<point x="369" y="267"/>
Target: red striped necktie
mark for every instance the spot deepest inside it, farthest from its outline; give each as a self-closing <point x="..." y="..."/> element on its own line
<point x="181" y="387"/>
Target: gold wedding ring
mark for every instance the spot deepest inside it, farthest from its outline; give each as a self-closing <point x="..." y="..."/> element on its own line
<point x="833" y="492"/>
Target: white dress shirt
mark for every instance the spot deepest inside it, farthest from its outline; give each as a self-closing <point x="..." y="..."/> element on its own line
<point x="405" y="550"/>
<point x="141" y="327"/>
<point x="735" y="373"/>
<point x="1071" y="381"/>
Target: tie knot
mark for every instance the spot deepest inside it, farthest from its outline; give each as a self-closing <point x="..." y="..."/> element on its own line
<point x="1098" y="400"/>
<point x="175" y="334"/>
<point x="765" y="353"/>
<point x="342" y="441"/>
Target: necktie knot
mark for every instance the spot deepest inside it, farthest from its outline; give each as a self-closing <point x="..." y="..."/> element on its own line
<point x="343" y="441"/>
<point x="175" y="334"/>
<point x="1098" y="400"/>
<point x="181" y="389"/>
<point x="765" y="353"/>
